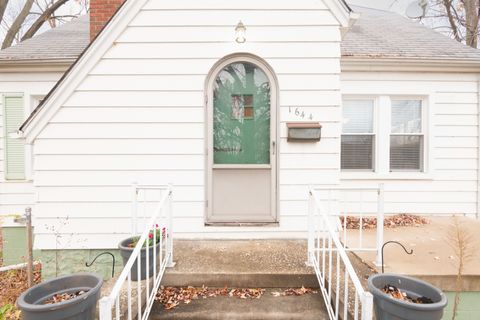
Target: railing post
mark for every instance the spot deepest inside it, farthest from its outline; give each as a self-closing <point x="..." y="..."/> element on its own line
<point x="367" y="306"/>
<point x="170" y="262"/>
<point x="105" y="309"/>
<point x="380" y="220"/>
<point x="134" y="190"/>
<point x="311" y="227"/>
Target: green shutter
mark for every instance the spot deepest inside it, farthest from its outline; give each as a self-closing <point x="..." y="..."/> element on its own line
<point x="14" y="148"/>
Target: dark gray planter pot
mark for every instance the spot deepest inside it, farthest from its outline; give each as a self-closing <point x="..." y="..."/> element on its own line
<point x="79" y="308"/>
<point x="389" y="308"/>
<point x="126" y="252"/>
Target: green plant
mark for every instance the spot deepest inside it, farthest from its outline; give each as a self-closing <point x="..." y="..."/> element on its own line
<point x="9" y="312"/>
<point x="150" y="240"/>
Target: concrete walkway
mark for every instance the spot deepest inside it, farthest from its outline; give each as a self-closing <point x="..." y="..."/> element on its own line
<point x="433" y="257"/>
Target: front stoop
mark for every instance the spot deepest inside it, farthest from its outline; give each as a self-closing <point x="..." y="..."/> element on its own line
<point x="240" y="263"/>
<point x="306" y="307"/>
<point x="270" y="264"/>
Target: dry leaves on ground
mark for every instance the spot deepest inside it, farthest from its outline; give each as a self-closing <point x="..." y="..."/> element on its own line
<point x="171" y="297"/>
<point x="14" y="282"/>
<point x="294" y="292"/>
<point x="399" y="220"/>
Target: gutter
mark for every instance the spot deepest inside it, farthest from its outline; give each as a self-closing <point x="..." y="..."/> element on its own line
<point x="37" y="65"/>
<point x="401" y="64"/>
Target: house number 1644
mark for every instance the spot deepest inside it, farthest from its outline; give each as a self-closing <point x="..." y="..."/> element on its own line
<point x="299" y="113"/>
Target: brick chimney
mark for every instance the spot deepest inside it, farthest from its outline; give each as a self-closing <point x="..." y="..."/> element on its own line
<point x="100" y="12"/>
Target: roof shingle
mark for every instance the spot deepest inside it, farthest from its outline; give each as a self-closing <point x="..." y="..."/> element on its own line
<point x="376" y="34"/>
<point x="383" y="34"/>
<point x="64" y="42"/>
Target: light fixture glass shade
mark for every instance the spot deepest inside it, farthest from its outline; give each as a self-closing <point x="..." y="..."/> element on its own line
<point x="240" y="31"/>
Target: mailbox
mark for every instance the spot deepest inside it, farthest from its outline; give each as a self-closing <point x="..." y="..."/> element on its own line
<point x="304" y="131"/>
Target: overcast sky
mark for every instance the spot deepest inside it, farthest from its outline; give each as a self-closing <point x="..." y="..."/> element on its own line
<point x="393" y="5"/>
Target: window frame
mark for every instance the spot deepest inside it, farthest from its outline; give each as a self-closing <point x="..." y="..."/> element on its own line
<point x="374" y="133"/>
<point x="382" y="117"/>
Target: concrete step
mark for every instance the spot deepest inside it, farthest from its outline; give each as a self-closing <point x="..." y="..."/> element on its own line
<point x="306" y="307"/>
<point x="240" y="263"/>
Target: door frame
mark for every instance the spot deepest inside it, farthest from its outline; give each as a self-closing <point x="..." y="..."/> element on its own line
<point x="274" y="135"/>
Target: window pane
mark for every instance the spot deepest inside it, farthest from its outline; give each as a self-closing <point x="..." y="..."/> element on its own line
<point x="357" y="152"/>
<point x="406" y="116"/>
<point x="241" y="115"/>
<point x="406" y="153"/>
<point x="358" y="116"/>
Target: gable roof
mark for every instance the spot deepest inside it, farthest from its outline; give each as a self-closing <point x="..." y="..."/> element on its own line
<point x="97" y="48"/>
<point x="383" y="34"/>
<point x="66" y="42"/>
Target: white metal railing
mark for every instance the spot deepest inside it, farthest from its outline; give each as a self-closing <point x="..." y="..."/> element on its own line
<point x="360" y="203"/>
<point x="335" y="273"/>
<point x="120" y="304"/>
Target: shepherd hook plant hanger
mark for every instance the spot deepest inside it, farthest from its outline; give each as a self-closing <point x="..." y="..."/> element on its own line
<point x="88" y="265"/>
<point x="404" y="249"/>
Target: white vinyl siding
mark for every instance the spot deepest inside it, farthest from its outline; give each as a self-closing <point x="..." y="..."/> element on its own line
<point x="448" y="183"/>
<point x="14" y="148"/>
<point x="139" y="115"/>
<point x="16" y="195"/>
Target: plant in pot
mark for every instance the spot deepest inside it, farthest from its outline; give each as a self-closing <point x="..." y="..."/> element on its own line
<point x="128" y="245"/>
<point x="71" y="297"/>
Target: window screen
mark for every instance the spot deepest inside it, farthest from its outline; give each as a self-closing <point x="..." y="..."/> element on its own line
<point x="358" y="138"/>
<point x="406" y="139"/>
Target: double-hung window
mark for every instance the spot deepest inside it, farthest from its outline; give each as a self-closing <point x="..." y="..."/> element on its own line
<point x="358" y="137"/>
<point x="384" y="135"/>
<point x="406" y="137"/>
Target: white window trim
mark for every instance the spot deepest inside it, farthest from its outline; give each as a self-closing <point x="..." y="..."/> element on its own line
<point x="382" y="114"/>
<point x="29" y="158"/>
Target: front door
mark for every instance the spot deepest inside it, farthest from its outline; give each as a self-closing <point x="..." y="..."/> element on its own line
<point x="242" y="168"/>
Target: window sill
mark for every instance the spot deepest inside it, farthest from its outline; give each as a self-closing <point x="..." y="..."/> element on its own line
<point x="17" y="181"/>
<point x="386" y="176"/>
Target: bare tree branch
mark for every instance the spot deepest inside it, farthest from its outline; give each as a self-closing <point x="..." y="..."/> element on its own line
<point x="42" y="19"/>
<point x="451" y="19"/>
<point x="17" y="24"/>
<point x="3" y="7"/>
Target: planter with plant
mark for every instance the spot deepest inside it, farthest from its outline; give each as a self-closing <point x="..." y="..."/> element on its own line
<point x="153" y="241"/>
<point x="72" y="297"/>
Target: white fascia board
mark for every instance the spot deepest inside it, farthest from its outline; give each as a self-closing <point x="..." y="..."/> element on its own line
<point x="409" y="64"/>
<point x="82" y="67"/>
<point x="340" y="11"/>
<point x="37" y="65"/>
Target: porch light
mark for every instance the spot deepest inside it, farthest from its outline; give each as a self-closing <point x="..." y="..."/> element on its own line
<point x="240" y="32"/>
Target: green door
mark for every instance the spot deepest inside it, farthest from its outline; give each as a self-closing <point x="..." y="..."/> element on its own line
<point x="241" y="118"/>
<point x="243" y="163"/>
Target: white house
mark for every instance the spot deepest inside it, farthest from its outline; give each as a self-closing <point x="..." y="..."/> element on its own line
<point x="200" y="93"/>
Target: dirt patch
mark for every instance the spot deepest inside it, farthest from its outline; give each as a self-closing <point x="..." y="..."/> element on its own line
<point x="14" y="282"/>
